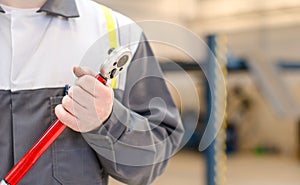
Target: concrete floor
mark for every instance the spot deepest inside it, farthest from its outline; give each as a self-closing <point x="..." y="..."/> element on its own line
<point x="188" y="167"/>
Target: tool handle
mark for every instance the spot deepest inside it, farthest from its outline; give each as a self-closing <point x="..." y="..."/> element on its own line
<point x="32" y="155"/>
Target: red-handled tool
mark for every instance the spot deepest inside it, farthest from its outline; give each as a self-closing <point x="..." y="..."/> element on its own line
<point x="118" y="60"/>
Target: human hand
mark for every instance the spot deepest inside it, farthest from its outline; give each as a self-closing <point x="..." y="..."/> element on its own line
<point x="88" y="103"/>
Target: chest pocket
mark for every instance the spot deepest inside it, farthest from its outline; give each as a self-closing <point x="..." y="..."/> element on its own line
<point x="74" y="162"/>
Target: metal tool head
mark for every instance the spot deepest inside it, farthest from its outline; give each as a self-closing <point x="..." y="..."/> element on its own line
<point x="117" y="61"/>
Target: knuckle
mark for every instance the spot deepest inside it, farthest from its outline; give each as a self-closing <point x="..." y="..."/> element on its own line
<point x="64" y="100"/>
<point x="77" y="92"/>
<point x="76" y="89"/>
<point x="84" y="79"/>
<point x="67" y="102"/>
<point x="58" y="111"/>
<point x="64" y="114"/>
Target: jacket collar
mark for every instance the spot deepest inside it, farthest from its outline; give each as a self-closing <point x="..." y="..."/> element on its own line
<point x="64" y="8"/>
<point x="1" y="10"/>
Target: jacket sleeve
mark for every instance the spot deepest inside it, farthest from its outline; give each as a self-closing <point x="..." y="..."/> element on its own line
<point x="144" y="129"/>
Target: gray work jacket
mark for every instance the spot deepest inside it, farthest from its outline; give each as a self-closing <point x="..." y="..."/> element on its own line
<point x="133" y="145"/>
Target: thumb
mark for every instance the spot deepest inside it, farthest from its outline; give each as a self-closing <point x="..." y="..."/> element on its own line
<point x="81" y="71"/>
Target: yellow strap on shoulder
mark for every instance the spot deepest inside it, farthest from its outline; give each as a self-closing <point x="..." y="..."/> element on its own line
<point x="112" y="35"/>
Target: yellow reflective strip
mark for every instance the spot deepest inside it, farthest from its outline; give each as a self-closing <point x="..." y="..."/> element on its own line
<point x="111" y="29"/>
<point x="112" y="35"/>
<point x="113" y="83"/>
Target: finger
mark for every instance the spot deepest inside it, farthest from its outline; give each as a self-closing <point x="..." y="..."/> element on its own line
<point x="81" y="71"/>
<point x="91" y="85"/>
<point x="81" y="97"/>
<point x="66" y="118"/>
<point x="72" y="106"/>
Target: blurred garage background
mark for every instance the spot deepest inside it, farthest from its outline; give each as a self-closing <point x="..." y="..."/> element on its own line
<point x="260" y="47"/>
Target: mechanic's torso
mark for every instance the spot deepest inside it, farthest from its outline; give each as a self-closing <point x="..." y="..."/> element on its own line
<point x="38" y="53"/>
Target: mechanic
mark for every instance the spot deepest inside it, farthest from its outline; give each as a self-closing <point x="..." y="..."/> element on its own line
<point x="128" y="129"/>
